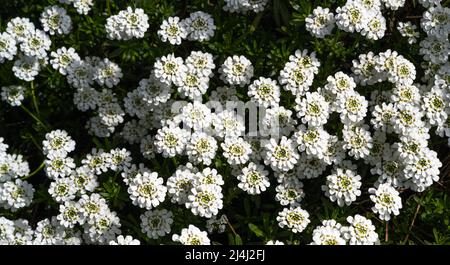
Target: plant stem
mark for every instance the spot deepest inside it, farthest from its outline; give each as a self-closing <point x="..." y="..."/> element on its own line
<point x="34" y="116"/>
<point x="386" y="235"/>
<point x="33" y="94"/>
<point x="412" y="224"/>
<point x="108" y="7"/>
<point x="231" y="227"/>
<point x="41" y="166"/>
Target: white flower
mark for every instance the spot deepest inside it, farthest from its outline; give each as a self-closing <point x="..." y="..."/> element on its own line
<point x="48" y="232"/>
<point x="119" y="159"/>
<point x="276" y="242"/>
<point x="153" y="92"/>
<point x="375" y="27"/>
<point x="201" y="148"/>
<point x="329" y="233"/>
<point x="435" y="50"/>
<point x="361" y="231"/>
<point x="351" y="106"/>
<point x="309" y="167"/>
<point x="405" y="73"/>
<point x="208" y="176"/>
<point x="436" y="21"/>
<point x="294" y="218"/>
<point x="365" y="69"/>
<point x="312" y="140"/>
<point x="62" y="190"/>
<point x="127" y="24"/>
<point x="58" y="165"/>
<point x="192" y="236"/>
<point x="179" y="185"/>
<point x="16" y="194"/>
<point x="236" y="150"/>
<point x="278" y="119"/>
<point x="62" y="58"/>
<point x="147" y="190"/>
<point x="387" y="201"/>
<point x="289" y="193"/>
<point x="357" y="140"/>
<point x="193" y="85"/>
<point x="351" y="17"/>
<point x="282" y="156"/>
<point x="69" y="214"/>
<point x="173" y="31"/>
<point x="170" y="69"/>
<point x="36" y="44"/>
<point x="83" y="6"/>
<point x="408" y="119"/>
<point x="339" y="83"/>
<point x="13" y="95"/>
<point x="422" y="170"/>
<point x="334" y="151"/>
<point x="313" y="109"/>
<point x="196" y="116"/>
<point x="236" y="70"/>
<point x="382" y="117"/>
<point x="171" y="141"/>
<point x="54" y="20"/>
<point x="201" y="63"/>
<point x="108" y="73"/>
<point x="102" y="228"/>
<point x="389" y="167"/>
<point x="20" y="28"/>
<point x="80" y="74"/>
<point x="58" y="141"/>
<point x="228" y="124"/>
<point x="320" y="23"/>
<point x="253" y="179"/>
<point x="296" y="79"/>
<point x="200" y="26"/>
<point x="111" y="114"/>
<point x="408" y="30"/>
<point x="156" y="223"/>
<point x="96" y="161"/>
<point x="26" y="68"/>
<point x="8" y="48"/>
<point x="428" y="3"/>
<point x="343" y="186"/>
<point x="409" y="94"/>
<point x="92" y="206"/>
<point x="84" y="180"/>
<point x="128" y="240"/>
<point x="394" y="4"/>
<point x="205" y="200"/>
<point x="223" y="94"/>
<point x="436" y="106"/>
<point x="265" y="92"/>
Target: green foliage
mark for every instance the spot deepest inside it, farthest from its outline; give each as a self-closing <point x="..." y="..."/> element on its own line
<point x="267" y="39"/>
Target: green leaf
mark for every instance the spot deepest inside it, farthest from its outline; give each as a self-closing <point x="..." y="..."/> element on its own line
<point x="238" y="240"/>
<point x="255" y="229"/>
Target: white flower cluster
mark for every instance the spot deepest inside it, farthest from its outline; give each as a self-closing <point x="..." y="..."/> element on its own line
<point x="82" y="6"/>
<point x="15" y="193"/>
<point x="13" y="95"/>
<point x="127" y="24"/>
<point x="364" y="17"/>
<point x="360" y="231"/>
<point x="199" y="26"/>
<point x="243" y="6"/>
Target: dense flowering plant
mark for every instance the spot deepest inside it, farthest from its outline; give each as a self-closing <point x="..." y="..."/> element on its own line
<point x="224" y="122"/>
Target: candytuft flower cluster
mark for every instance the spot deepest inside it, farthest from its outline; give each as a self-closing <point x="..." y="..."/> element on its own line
<point x="153" y="129"/>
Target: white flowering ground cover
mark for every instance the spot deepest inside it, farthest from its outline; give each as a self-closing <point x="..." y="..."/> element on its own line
<point x="224" y="122"/>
